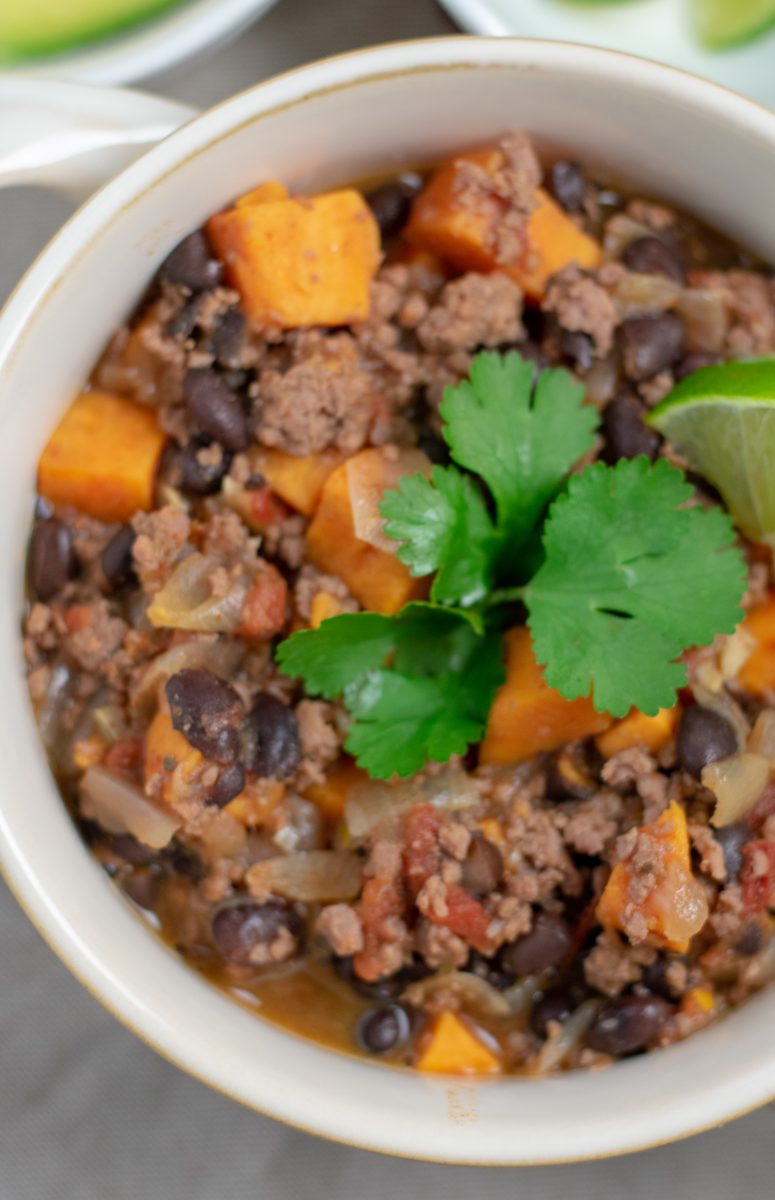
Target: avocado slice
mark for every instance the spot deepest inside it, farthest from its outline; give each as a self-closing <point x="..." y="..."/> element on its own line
<point x="29" y="28"/>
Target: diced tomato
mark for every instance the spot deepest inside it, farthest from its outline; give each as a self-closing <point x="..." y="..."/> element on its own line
<point x="265" y="507"/>
<point x="126" y="754"/>
<point x="78" y="617"/>
<point x="263" y="612"/>
<point x="762" y="809"/>
<point x="757" y="875"/>
<point x="466" y="917"/>
<point x="380" y="900"/>
<point x="422" y="856"/>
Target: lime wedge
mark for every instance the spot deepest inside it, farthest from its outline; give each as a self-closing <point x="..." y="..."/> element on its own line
<point x="32" y="27"/>
<point x="723" y="419"/>
<point x="724" y="22"/>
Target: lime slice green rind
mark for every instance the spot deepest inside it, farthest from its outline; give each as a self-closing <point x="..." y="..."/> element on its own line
<point x="32" y="28"/>
<point x="722" y="23"/>
<point x="722" y="419"/>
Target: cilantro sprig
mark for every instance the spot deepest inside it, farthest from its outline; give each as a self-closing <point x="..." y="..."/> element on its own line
<point x="617" y="574"/>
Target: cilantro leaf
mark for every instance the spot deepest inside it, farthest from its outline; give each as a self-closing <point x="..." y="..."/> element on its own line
<point x="443" y="525"/>
<point x="629" y="581"/>
<point x="521" y="440"/>
<point x="343" y="648"/>
<point x="402" y="721"/>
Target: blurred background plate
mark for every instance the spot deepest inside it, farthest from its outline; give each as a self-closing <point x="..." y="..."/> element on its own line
<point x="187" y="29"/>
<point x="656" y="29"/>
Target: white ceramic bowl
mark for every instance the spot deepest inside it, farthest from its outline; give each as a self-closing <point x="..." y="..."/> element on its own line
<point x="669" y="134"/>
<point x="192" y="27"/>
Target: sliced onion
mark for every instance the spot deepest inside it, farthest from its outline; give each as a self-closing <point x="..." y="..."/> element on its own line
<point x="620" y="230"/>
<point x="237" y="498"/>
<point x="121" y="807"/>
<point x="187" y="602"/>
<point x="568" y="1037"/>
<point x="637" y="295"/>
<point x="705" y="319"/>
<point x="325" y="875"/>
<point x="370" y="804"/>
<point x="367" y="492"/>
<point x="110" y="722"/>
<point x="471" y="991"/>
<point x="736" y="651"/>
<point x="762" y="739"/>
<point x="521" y="996"/>
<point x="52" y="708"/>
<point x="222" y="836"/>
<point x="219" y="656"/>
<point x="737" y="783"/>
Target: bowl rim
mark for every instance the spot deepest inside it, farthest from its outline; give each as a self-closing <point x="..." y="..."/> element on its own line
<point x="45" y="275"/>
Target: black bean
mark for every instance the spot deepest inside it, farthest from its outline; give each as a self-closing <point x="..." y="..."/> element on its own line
<point x="555" y="1005"/>
<point x="532" y="353"/>
<point x="192" y="264"/>
<point x="390" y="203"/>
<point x="703" y="737"/>
<point x="201" y="473"/>
<point x="732" y="838"/>
<point x="51" y="559"/>
<point x="271" y="738"/>
<point x="750" y="941"/>
<point x="116" y="562"/>
<point x="214" y="409"/>
<point x="184" y="861"/>
<point x="228" y="338"/>
<point x="625" y="433"/>
<point x="380" y="1030"/>
<point x="651" y="255"/>
<point x="629" y="1024"/>
<point x="143" y="887"/>
<point x="183" y="324"/>
<point x="386" y="988"/>
<point x="656" y="978"/>
<point x="482" y="867"/>
<point x="695" y="362"/>
<point x="229" y="784"/>
<point x="547" y="944"/>
<point x="128" y="848"/>
<point x="207" y="712"/>
<point x="567" y="184"/>
<point x="241" y="930"/>
<point x="578" y="347"/>
<point x="650" y="344"/>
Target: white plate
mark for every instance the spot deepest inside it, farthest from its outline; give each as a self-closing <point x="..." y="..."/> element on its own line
<point x="657" y="29"/>
<point x="153" y="46"/>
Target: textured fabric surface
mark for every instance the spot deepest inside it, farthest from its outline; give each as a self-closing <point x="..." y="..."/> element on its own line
<point x="87" y="1112"/>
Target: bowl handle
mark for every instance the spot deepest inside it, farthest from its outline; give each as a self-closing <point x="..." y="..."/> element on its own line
<point x="74" y="136"/>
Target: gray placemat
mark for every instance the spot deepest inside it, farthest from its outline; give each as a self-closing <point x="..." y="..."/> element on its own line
<point x="87" y="1112"/>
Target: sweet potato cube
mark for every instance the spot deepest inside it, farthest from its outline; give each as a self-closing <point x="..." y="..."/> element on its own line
<point x="529" y="717"/>
<point x="375" y="577"/>
<point x="453" y="1049"/>
<point x="102" y="457"/>
<point x="298" y="479"/>
<point x="757" y="673"/>
<point x="265" y="193"/>
<point x="300" y="261"/>
<point x="165" y="750"/>
<point x="637" y="729"/>
<point x="442" y="222"/>
<point x="330" y="795"/>
<point x="675" y="908"/>
<point x="323" y="606"/>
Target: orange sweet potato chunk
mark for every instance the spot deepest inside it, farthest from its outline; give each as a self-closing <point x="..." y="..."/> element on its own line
<point x="265" y="193"/>
<point x="298" y="479"/>
<point x="300" y="261"/>
<point x="529" y="717"/>
<point x="330" y="795"/>
<point x="462" y="236"/>
<point x="453" y="1049"/>
<point x="638" y="729"/>
<point x="165" y="750"/>
<point x="757" y="674"/>
<point x="375" y="577"/>
<point x="102" y="457"/>
<point x="675" y="908"/>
